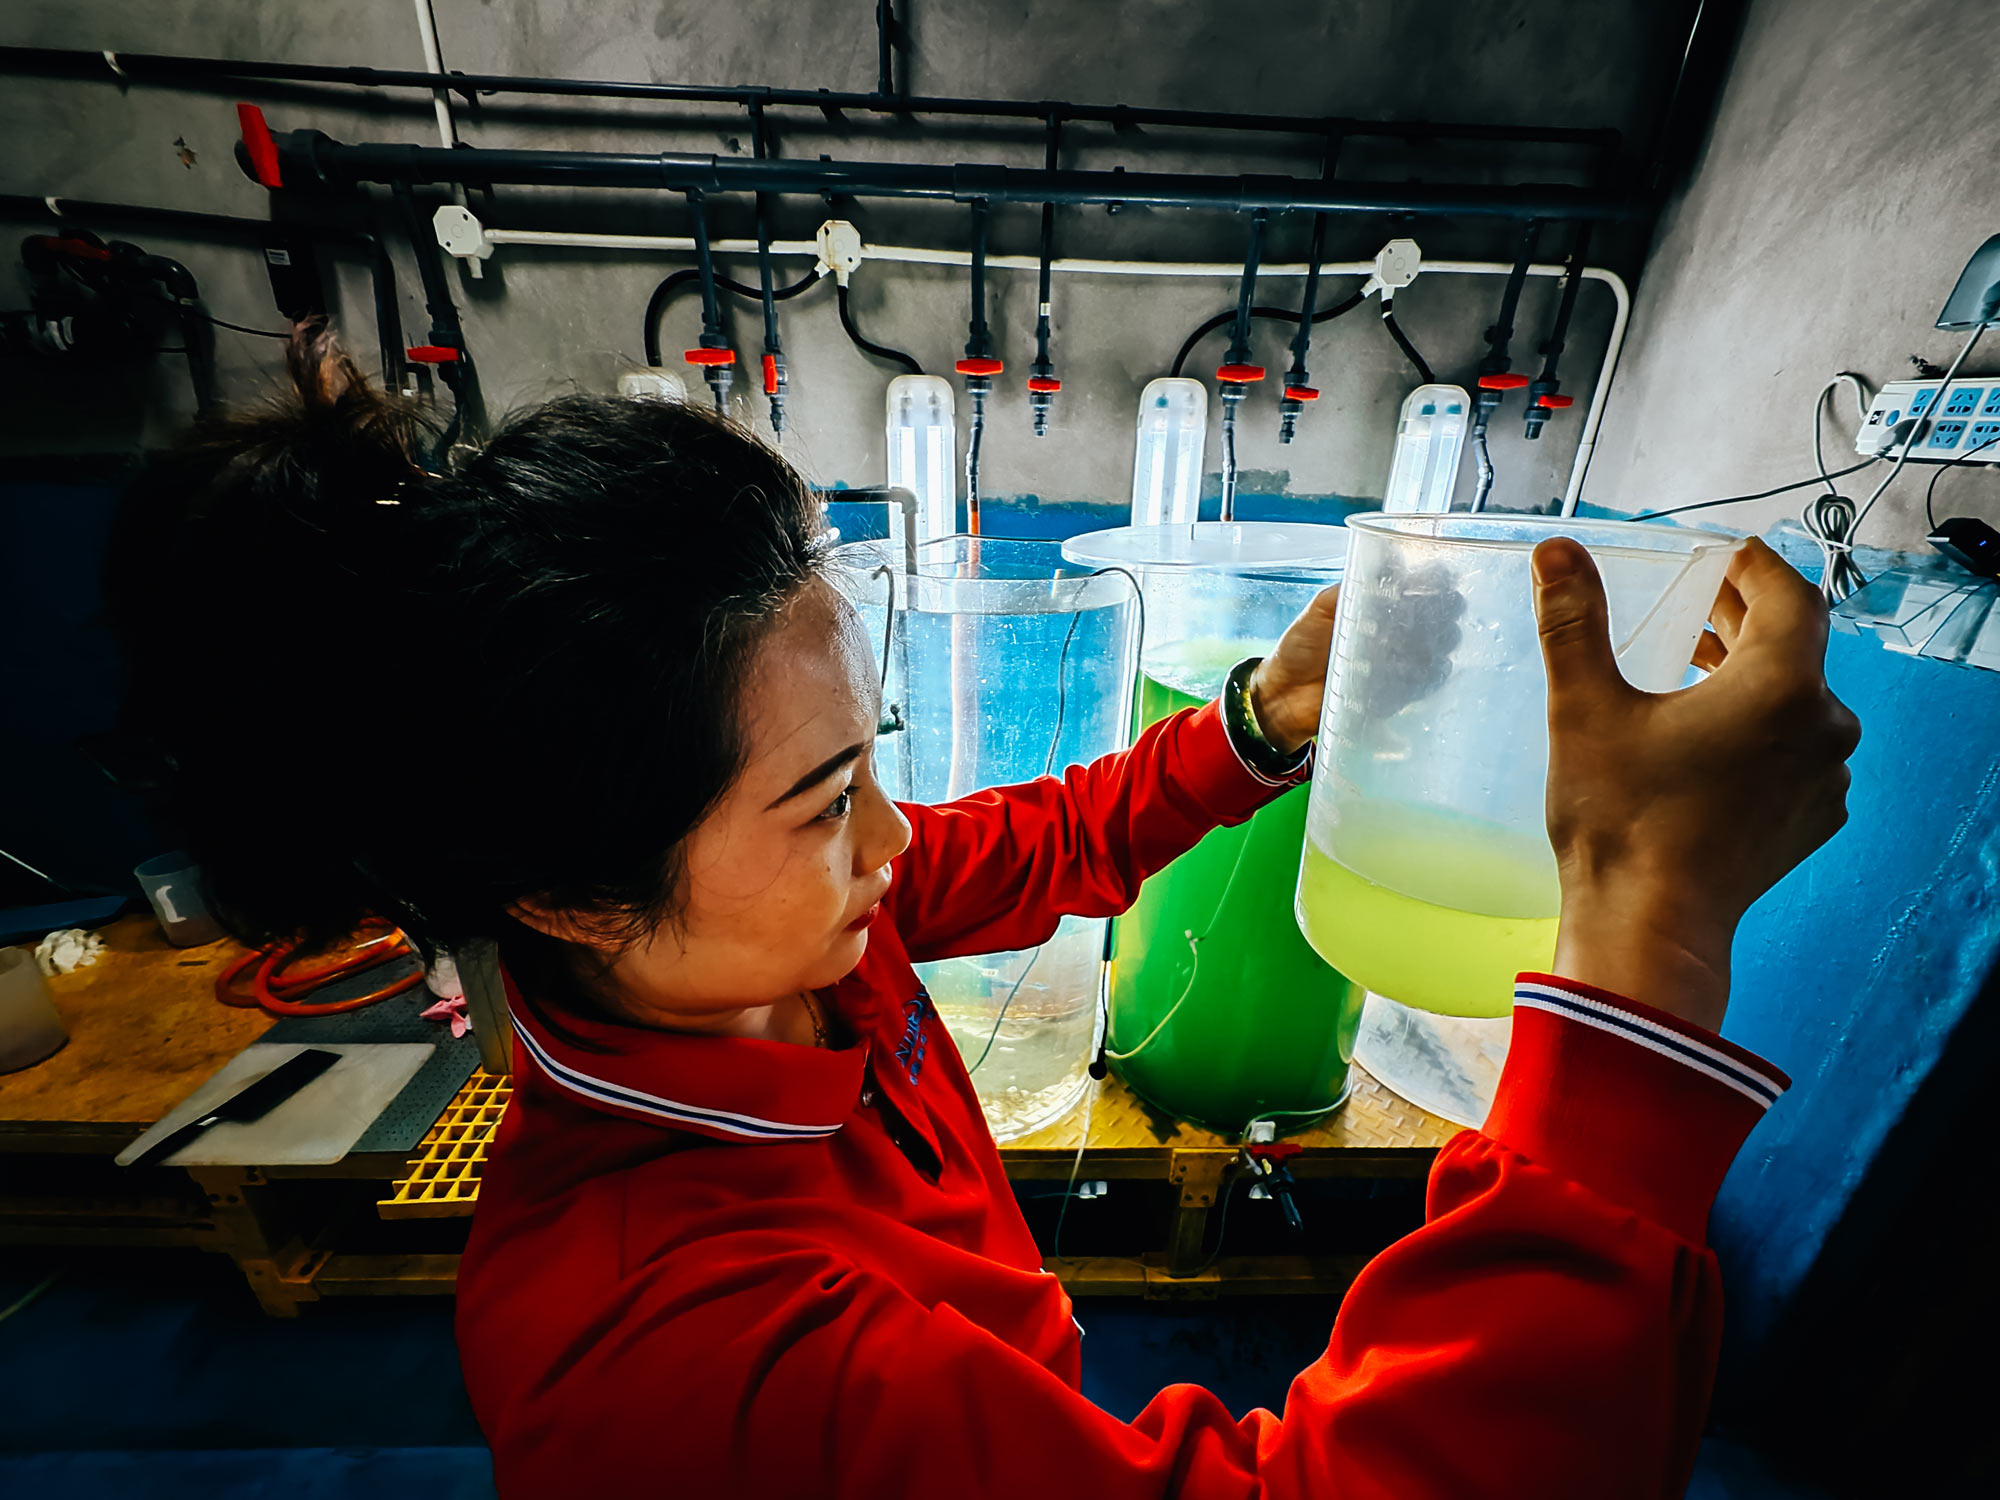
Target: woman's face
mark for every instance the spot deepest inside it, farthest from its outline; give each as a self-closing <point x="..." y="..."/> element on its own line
<point x="785" y="875"/>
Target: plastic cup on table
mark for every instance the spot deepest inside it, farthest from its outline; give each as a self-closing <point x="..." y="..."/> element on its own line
<point x="30" y="1029"/>
<point x="172" y="883"/>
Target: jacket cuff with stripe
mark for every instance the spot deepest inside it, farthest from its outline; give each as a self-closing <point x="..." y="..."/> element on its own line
<point x="1641" y="1107"/>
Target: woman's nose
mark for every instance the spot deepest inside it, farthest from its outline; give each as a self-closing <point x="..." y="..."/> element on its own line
<point x="885" y="834"/>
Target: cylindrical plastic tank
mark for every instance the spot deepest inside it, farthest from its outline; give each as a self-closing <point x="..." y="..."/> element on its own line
<point x="1005" y="663"/>
<point x="1428" y="875"/>
<point x="1219" y="1012"/>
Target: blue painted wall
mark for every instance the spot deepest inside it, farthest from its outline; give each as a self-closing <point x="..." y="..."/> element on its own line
<point x="1857" y="975"/>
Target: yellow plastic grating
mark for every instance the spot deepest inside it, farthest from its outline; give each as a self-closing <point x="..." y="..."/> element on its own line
<point x="442" y="1180"/>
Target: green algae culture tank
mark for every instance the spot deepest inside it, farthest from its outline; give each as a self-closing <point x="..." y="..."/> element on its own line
<point x="1218" y="1010"/>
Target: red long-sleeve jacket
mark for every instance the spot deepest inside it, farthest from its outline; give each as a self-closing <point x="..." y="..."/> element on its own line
<point x="714" y="1266"/>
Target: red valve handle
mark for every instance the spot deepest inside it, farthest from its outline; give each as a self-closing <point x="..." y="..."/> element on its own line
<point x="979" y="366"/>
<point x="1239" y="374"/>
<point x="257" y="140"/>
<point x="433" y="354"/>
<point x="770" y="374"/>
<point x="1275" y="1152"/>
<point x="1502" y="382"/>
<point x="1301" y="393"/>
<point x="1042" y="384"/>
<point x="1556" y="403"/>
<point x="711" y="356"/>
<point x="76" y="249"/>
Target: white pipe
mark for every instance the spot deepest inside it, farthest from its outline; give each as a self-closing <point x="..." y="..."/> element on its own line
<point x="671" y="242"/>
<point x="441" y="102"/>
<point x="911" y="255"/>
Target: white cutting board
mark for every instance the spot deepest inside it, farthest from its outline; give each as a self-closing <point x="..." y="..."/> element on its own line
<point x="315" y="1127"/>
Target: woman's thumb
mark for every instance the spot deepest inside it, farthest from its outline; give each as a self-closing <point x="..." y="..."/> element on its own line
<point x="1575" y="622"/>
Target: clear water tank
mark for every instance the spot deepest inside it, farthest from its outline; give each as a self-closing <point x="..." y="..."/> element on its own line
<point x="1006" y="664"/>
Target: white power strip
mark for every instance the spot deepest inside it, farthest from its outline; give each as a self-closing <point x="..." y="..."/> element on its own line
<point x="1967" y="429"/>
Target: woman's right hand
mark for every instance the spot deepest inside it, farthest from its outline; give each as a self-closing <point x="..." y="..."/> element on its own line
<point x="1671" y="813"/>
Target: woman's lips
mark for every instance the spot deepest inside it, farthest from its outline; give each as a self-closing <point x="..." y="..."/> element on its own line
<point x="866" y="920"/>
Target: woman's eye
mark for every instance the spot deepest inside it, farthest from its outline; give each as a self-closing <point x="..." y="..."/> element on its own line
<point x="837" y="808"/>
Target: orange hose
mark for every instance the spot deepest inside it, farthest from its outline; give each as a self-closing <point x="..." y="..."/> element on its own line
<point x="276" y="992"/>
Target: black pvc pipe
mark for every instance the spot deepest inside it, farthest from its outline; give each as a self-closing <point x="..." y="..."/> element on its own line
<point x="1246" y="292"/>
<point x="1502" y="332"/>
<point x="978" y="341"/>
<point x="308" y="157"/>
<point x="1309" y="300"/>
<point x="1552" y="347"/>
<point x="169" y="67"/>
<point x="1051" y="156"/>
<point x="885" y="55"/>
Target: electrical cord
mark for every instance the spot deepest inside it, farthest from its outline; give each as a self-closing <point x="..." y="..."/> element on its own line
<point x="1782" y="489"/>
<point x="1930" y="490"/>
<point x="262" y="333"/>
<point x="1075" y="1164"/>
<point x="866" y="345"/>
<point x="1829" y="520"/>
<point x="1863" y="398"/>
<point x="656" y="305"/>
<point x="1275" y="314"/>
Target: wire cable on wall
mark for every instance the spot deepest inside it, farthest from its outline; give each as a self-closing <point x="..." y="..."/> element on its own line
<point x="1781" y="489"/>
<point x="262" y="333"/>
<point x="1275" y="314"/>
<point x="1424" y="376"/>
<point x="867" y="346"/>
<point x="656" y="305"/>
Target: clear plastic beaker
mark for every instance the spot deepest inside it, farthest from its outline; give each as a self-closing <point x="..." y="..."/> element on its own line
<point x="1004" y="664"/>
<point x="172" y="883"/>
<point x="1428" y="875"/>
<point x="1219" y="1012"/>
<point x="30" y="1029"/>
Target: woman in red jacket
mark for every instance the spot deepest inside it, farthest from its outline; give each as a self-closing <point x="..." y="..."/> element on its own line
<point x="744" y="1231"/>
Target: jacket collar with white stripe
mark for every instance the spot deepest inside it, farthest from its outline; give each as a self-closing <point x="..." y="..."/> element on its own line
<point x="729" y="1088"/>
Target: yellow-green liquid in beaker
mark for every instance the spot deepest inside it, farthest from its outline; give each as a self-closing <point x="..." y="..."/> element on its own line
<point x="1244" y="1021"/>
<point x="1493" y="914"/>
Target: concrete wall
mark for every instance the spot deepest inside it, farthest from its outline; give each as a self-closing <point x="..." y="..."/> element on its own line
<point x="543" y="321"/>
<point x="1847" y="179"/>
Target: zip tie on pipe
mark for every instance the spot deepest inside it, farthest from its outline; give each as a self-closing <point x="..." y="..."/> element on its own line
<point x="111" y="62"/>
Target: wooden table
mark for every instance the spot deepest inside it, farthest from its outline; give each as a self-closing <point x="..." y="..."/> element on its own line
<point x="145" y="1030"/>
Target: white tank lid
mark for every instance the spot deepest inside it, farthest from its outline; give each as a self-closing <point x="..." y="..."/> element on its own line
<point x="1227" y="545"/>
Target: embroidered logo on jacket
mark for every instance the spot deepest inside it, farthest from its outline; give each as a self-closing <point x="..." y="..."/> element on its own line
<point x="917" y="1010"/>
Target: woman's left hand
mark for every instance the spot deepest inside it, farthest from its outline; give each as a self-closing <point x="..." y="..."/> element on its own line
<point x="1286" y="688"/>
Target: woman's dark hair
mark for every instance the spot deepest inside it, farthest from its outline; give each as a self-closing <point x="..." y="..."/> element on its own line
<point x="382" y="692"/>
